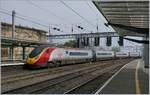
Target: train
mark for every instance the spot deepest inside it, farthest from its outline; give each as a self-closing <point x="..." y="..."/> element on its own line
<point x="45" y="56"/>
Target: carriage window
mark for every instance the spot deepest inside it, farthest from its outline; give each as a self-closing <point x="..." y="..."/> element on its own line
<point x="66" y="52"/>
<point x="78" y="53"/>
<point x="104" y="53"/>
<point x="122" y="54"/>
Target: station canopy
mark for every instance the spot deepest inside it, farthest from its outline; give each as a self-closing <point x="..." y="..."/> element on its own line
<point x="127" y="17"/>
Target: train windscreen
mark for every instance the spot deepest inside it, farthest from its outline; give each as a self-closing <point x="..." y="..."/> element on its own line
<point x="36" y="52"/>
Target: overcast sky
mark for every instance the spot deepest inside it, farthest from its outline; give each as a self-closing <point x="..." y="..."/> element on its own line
<point x="54" y="13"/>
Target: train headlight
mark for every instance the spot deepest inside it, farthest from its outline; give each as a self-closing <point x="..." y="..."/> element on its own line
<point x="32" y="60"/>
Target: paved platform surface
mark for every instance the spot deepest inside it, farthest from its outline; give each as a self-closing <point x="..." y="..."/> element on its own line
<point x="11" y="64"/>
<point x="130" y="79"/>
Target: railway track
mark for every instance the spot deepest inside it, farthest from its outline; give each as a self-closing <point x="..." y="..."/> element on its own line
<point x="91" y="86"/>
<point x="53" y="76"/>
<point x="30" y="74"/>
<point x="26" y="74"/>
<point x="81" y="74"/>
<point x="74" y="83"/>
<point x="24" y="79"/>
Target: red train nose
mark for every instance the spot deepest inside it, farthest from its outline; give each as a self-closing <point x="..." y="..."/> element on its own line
<point x="44" y="56"/>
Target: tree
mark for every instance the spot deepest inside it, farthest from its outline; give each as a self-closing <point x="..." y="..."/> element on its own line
<point x="71" y="43"/>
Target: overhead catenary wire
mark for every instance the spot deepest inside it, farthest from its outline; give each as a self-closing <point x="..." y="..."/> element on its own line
<point x="25" y="19"/>
<point x="48" y="11"/>
<point x="91" y="8"/>
<point x="50" y="24"/>
<point x="31" y="17"/>
<point x="5" y="13"/>
<point x="32" y="21"/>
<point x="22" y="17"/>
<point x="36" y="19"/>
<point x="97" y="28"/>
<point x="52" y="13"/>
<point x="76" y="12"/>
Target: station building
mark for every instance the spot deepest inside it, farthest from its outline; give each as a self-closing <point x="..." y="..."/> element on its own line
<point x="23" y="33"/>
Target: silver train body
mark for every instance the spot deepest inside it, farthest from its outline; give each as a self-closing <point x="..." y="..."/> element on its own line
<point x="74" y="56"/>
<point x="48" y="56"/>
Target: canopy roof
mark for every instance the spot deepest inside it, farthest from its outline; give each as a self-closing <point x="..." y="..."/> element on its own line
<point x="127" y="17"/>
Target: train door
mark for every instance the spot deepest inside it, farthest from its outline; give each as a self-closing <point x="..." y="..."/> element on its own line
<point x="93" y="55"/>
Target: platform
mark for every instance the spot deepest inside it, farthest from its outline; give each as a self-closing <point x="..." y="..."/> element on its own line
<point x="12" y="64"/>
<point x="132" y="78"/>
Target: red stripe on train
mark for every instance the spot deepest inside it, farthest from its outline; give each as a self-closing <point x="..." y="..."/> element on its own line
<point x="45" y="56"/>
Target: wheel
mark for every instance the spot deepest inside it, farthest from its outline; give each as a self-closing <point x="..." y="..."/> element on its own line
<point x="59" y="63"/>
<point x="25" y="66"/>
<point x="50" y="64"/>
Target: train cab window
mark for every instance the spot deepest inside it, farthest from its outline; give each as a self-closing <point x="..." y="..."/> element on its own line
<point x="36" y="52"/>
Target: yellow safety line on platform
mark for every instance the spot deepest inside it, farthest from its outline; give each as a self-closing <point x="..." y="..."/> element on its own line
<point x="137" y="84"/>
